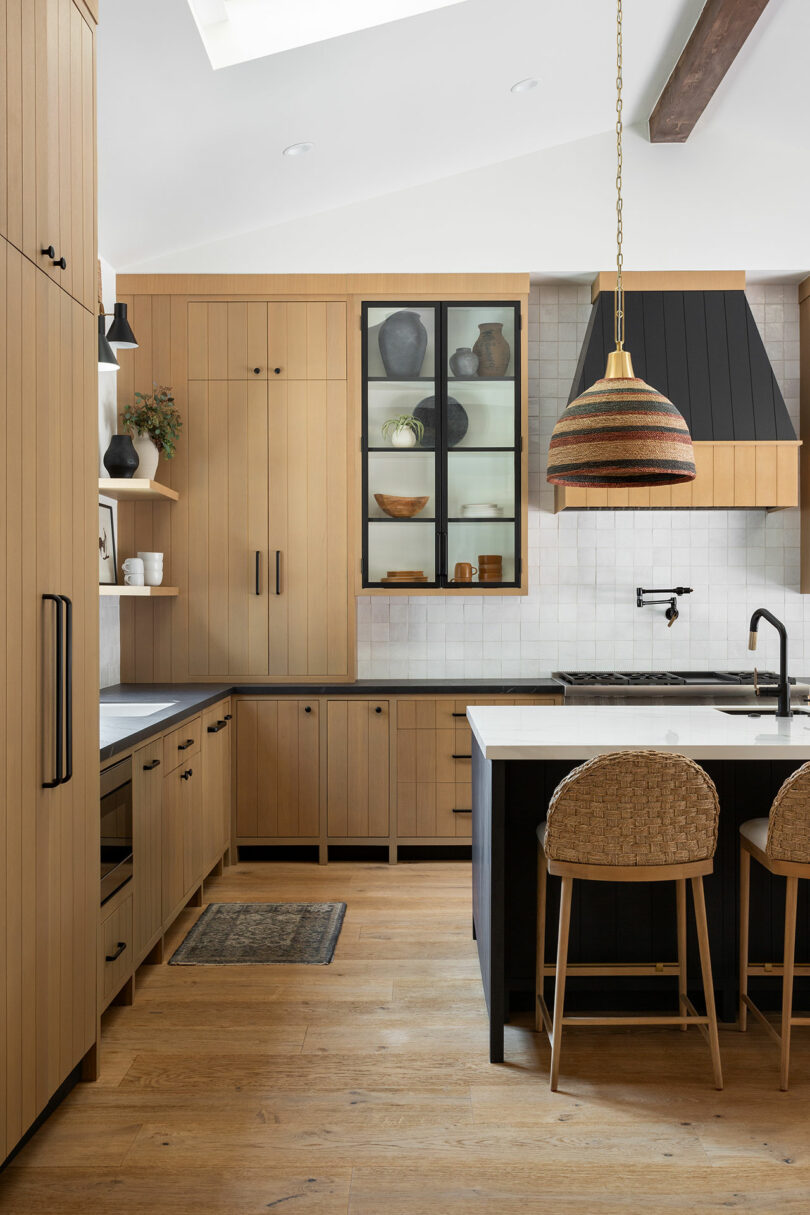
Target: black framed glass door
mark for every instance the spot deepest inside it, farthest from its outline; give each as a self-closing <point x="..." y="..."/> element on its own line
<point x="441" y="444"/>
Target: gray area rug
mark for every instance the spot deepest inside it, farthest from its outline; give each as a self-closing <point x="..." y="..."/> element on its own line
<point x="262" y="934"/>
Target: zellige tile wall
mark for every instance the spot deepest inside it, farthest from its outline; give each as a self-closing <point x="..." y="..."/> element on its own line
<point x="584" y="566"/>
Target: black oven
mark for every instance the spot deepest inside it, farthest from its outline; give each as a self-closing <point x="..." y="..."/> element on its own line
<point x="116" y="827"/>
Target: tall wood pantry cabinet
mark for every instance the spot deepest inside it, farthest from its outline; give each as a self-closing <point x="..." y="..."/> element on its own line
<point x="49" y="847"/>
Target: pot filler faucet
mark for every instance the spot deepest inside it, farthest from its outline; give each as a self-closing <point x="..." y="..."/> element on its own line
<point x="783" y="691"/>
<point x="672" y="612"/>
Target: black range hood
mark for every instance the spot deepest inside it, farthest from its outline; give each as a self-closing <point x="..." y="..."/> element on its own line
<point x="703" y="350"/>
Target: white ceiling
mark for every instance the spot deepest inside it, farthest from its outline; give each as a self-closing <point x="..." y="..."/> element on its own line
<point x="423" y="158"/>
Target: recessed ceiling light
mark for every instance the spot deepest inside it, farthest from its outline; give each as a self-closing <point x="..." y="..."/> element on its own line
<point x="298" y="149"/>
<point x="523" y="86"/>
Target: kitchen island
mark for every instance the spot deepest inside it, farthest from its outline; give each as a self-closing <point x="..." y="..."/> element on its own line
<point x="519" y="756"/>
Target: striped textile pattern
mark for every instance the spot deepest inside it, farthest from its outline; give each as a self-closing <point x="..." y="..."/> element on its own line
<point x="620" y="432"/>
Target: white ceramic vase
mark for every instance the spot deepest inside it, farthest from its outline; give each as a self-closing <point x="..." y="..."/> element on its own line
<point x="403" y="438"/>
<point x="148" y="456"/>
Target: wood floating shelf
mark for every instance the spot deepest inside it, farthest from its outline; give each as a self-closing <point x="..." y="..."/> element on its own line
<point x="140" y="592"/>
<point x="135" y="489"/>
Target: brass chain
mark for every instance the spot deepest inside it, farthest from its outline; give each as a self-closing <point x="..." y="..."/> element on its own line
<point x="619" y="321"/>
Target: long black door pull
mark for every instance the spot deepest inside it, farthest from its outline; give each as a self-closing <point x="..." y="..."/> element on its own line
<point x="58" y="706"/>
<point x="258" y="573"/>
<point x="68" y="773"/>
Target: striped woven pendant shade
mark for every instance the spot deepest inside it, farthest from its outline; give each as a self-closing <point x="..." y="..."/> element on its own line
<point x="618" y="433"/>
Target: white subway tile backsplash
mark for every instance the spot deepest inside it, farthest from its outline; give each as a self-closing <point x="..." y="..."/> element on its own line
<point x="584" y="566"/>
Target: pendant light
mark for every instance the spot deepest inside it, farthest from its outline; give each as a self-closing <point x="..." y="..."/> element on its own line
<point x="120" y="335"/>
<point x="106" y="356"/>
<point x="620" y="432"/>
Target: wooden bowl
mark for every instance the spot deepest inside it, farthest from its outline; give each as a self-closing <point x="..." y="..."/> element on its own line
<point x="400" y="508"/>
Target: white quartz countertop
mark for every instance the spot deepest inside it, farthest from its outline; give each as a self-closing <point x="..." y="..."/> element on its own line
<point x="580" y="732"/>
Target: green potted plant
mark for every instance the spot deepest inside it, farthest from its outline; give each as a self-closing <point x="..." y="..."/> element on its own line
<point x="154" y="423"/>
<point x="405" y="431"/>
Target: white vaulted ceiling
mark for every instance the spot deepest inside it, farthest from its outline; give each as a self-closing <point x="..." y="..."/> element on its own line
<point x="422" y="156"/>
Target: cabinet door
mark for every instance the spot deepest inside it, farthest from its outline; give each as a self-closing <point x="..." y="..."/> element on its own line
<point x="227" y="340"/>
<point x="309" y="603"/>
<point x="77" y="193"/>
<point x="426" y="771"/>
<point x="19" y="35"/>
<point x="174" y="815"/>
<point x="147" y="802"/>
<point x="277" y="769"/>
<point x="306" y="341"/>
<point x="216" y="757"/>
<point x="229" y="579"/>
<point x="357" y="768"/>
<point x="193" y="833"/>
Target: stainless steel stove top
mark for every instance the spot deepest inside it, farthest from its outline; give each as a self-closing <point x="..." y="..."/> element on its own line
<point x="664" y="679"/>
<point x="686" y="687"/>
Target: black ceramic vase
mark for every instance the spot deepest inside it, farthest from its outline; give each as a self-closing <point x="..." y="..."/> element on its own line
<point x="121" y="458"/>
<point x="403" y="342"/>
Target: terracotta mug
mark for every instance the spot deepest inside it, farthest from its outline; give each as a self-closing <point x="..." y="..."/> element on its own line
<point x="464" y="572"/>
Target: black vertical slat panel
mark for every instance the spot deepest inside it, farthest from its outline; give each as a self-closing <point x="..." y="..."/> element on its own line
<point x="717" y="348"/>
<point x="697" y="367"/>
<point x="654" y="341"/>
<point x="739" y="368"/>
<point x="762" y="382"/>
<point x="675" y="338"/>
<point x="635" y="332"/>
<point x="591" y="339"/>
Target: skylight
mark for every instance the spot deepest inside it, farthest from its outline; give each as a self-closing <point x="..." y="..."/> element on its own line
<point x="234" y="31"/>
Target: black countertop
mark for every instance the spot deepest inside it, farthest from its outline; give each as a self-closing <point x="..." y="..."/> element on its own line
<point x="117" y="734"/>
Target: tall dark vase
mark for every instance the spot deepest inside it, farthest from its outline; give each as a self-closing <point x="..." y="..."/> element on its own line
<point x="403" y="342"/>
<point x="121" y="458"/>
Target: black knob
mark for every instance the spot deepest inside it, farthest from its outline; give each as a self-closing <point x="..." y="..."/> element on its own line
<point x="184" y="775"/>
<point x="257" y="371"/>
<point x="277" y="370"/>
<point x="61" y="263"/>
<point x="228" y="716"/>
<point x="378" y="709"/>
<point x="191" y="771"/>
<point x="308" y="709"/>
<point x="49" y="252"/>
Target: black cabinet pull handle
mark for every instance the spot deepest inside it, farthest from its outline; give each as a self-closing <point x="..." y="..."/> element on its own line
<point x="229" y="716"/>
<point x="58" y="707"/>
<point x="277" y="370"/>
<point x="49" y="252"/>
<point x="185" y="775"/>
<point x="257" y="371"/>
<point x="462" y="757"/>
<point x="258" y="572"/>
<point x="278" y="571"/>
<point x="150" y="767"/>
<point x="459" y="715"/>
<point x="216" y="729"/>
<point x="462" y="810"/>
<point x="68" y="773"/>
<point x="61" y="263"/>
<point x="111" y="957"/>
<point x="185" y="746"/>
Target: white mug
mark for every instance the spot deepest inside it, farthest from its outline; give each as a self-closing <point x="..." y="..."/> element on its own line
<point x="133" y="579"/>
<point x="133" y="565"/>
<point x="152" y="557"/>
<point x="153" y="576"/>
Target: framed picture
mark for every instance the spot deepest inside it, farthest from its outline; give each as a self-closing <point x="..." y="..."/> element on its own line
<point x="107" y="565"/>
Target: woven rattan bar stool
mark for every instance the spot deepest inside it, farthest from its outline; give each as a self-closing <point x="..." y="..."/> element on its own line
<point x="781" y="844"/>
<point x="630" y="816"/>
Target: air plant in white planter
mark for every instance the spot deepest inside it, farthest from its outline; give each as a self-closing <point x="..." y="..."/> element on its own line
<point x="405" y="431"/>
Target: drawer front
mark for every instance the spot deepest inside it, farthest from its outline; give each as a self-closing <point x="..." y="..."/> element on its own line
<point x="214" y="716"/>
<point x="181" y="744"/>
<point x="116" y="955"/>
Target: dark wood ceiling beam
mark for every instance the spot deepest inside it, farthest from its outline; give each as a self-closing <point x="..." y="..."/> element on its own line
<point x="714" y="44"/>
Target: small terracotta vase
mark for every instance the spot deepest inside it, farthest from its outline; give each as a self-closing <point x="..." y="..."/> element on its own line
<point x="492" y="349"/>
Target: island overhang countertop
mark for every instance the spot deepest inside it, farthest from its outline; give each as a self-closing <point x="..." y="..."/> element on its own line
<point x="583" y="731"/>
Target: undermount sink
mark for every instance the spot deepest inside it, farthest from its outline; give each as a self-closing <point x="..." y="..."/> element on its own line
<point x="762" y="712"/>
<point x="138" y="710"/>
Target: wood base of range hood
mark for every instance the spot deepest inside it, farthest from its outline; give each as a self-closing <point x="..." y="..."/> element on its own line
<point x="729" y="475"/>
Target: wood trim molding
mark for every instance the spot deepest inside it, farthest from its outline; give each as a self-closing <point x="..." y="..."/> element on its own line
<point x="444" y="285"/>
<point x="670" y="280"/>
<point x="804" y="290"/>
<point x="718" y="37"/>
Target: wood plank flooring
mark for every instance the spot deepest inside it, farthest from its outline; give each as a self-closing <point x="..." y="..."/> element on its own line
<point x="363" y="1088"/>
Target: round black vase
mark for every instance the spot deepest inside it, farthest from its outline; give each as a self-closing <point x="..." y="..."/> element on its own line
<point x="121" y="458"/>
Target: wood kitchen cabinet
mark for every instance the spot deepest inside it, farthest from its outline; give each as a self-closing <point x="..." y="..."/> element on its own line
<point x="277" y="770"/>
<point x="216" y="788"/>
<point x="181" y="834"/>
<point x="47" y="140"/>
<point x="266" y="340"/>
<point x="147" y="846"/>
<point x="357" y="764"/>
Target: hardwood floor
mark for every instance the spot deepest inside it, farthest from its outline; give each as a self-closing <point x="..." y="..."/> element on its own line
<point x="364" y="1088"/>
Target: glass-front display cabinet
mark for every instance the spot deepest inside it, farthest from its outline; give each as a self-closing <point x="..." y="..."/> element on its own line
<point x="441" y="445"/>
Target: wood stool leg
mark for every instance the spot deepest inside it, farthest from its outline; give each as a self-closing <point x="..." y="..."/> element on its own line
<point x="559" y="984"/>
<point x="541" y="937"/>
<point x="680" y="894"/>
<point x="706" y="970"/>
<point x="789" y="960"/>
<point x="745" y="915"/>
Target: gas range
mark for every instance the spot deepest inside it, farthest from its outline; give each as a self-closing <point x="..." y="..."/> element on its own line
<point x="697" y="687"/>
